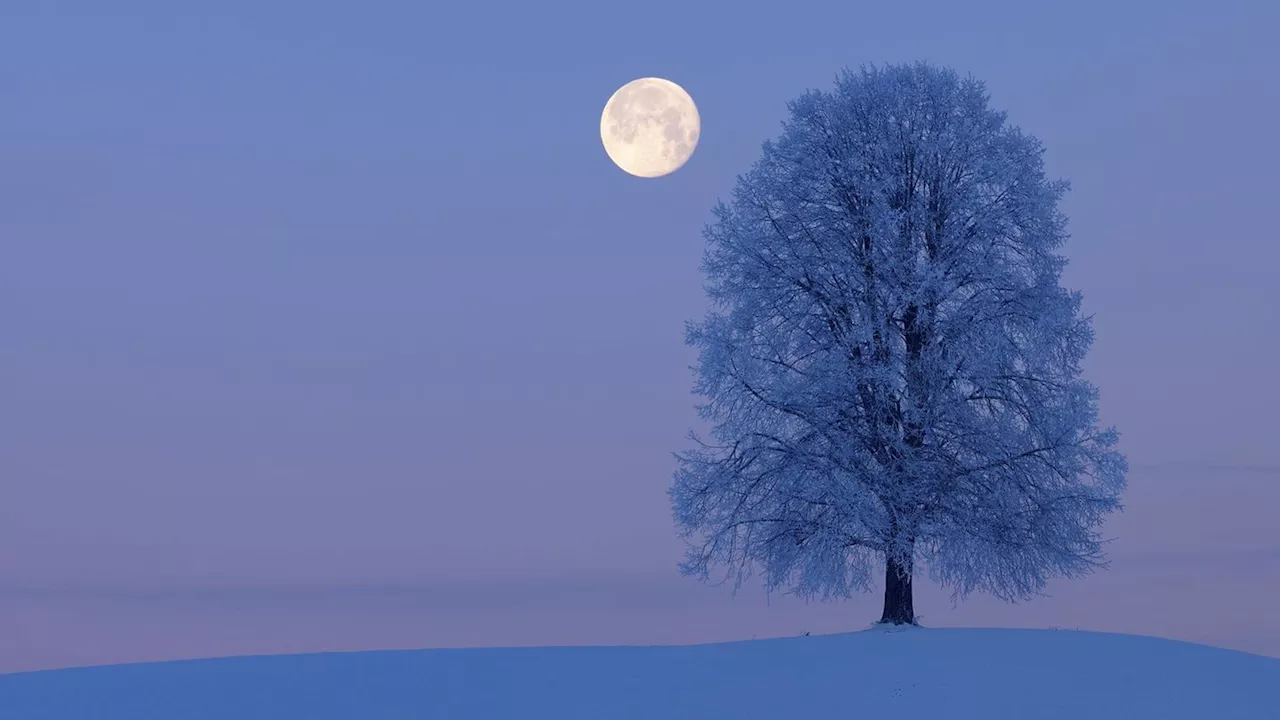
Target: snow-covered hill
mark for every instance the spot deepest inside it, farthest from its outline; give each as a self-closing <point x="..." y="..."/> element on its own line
<point x="956" y="674"/>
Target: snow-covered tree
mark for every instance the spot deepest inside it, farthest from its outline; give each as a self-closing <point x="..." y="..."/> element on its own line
<point x="890" y="367"/>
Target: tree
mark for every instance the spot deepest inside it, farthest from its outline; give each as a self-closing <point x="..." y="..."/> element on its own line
<point x="890" y="367"/>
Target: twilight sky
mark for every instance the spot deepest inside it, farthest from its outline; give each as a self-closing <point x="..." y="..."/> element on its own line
<point x="331" y="326"/>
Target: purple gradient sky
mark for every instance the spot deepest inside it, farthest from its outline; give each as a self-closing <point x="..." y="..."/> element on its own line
<point x="334" y="328"/>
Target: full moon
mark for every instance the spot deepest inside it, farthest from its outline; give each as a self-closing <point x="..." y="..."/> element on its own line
<point x="650" y="127"/>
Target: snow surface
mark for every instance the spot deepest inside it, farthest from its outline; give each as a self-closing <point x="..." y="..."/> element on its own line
<point x="915" y="673"/>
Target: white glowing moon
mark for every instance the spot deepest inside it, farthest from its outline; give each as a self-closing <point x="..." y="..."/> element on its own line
<point x="650" y="127"/>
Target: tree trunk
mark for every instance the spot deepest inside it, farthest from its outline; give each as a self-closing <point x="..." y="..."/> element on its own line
<point x="898" y="606"/>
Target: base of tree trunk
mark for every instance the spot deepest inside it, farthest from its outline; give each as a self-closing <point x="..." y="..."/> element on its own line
<point x="899" y="609"/>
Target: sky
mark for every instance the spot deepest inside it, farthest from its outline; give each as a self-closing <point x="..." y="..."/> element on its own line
<point x="331" y="326"/>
